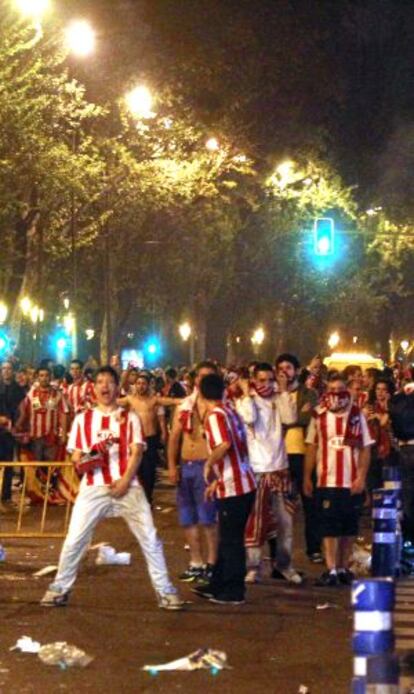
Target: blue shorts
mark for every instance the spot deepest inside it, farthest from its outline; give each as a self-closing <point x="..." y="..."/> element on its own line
<point x="192" y="507"/>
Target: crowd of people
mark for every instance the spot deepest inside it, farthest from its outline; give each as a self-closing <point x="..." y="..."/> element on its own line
<point x="244" y="446"/>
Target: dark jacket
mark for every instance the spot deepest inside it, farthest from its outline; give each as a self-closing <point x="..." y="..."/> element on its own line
<point x="11" y="395"/>
<point x="305" y="396"/>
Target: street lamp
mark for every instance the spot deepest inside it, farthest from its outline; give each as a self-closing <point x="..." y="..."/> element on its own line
<point x="26" y="305"/>
<point x="34" y="9"/>
<point x="185" y="331"/>
<point x="80" y="38"/>
<point x="404" y="344"/>
<point x="258" y="336"/>
<point x="333" y="340"/>
<point x="3" y="312"/>
<point x="212" y="144"/>
<point x="139" y="102"/>
<point x="89" y="333"/>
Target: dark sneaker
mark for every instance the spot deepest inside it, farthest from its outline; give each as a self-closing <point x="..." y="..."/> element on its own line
<point x="315" y="558"/>
<point x="207" y="575"/>
<point x="327" y="580"/>
<point x="226" y="601"/>
<point x="346" y="577"/>
<point x="52" y="598"/>
<point x="203" y="592"/>
<point x="193" y="573"/>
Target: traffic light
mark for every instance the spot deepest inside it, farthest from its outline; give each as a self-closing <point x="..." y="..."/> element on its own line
<point x="152" y="349"/>
<point x="324" y="236"/>
<point x="4" y="344"/>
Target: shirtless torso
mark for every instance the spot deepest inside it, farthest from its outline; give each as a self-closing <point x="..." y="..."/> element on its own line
<point x="194" y="444"/>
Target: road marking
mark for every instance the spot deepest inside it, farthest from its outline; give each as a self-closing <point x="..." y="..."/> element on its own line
<point x="404" y="616"/>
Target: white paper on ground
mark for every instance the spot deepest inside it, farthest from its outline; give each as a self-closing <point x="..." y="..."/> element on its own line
<point x="46" y="570"/>
<point x="108" y="555"/>
<point x="204" y="658"/>
<point x="26" y="645"/>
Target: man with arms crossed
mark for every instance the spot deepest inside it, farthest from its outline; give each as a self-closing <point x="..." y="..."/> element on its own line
<point x="339" y="445"/>
<point x="110" y="441"/>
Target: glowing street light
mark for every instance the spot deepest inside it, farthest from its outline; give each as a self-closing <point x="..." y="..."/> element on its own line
<point x="258" y="336"/>
<point x="37" y="315"/>
<point x="185" y="331"/>
<point x="212" y="144"/>
<point x="333" y="340"/>
<point x="404" y="344"/>
<point x="69" y="323"/>
<point x="3" y="312"/>
<point x="80" y="38"/>
<point x="90" y="333"/>
<point x="26" y="305"/>
<point x="285" y="173"/>
<point x="140" y="101"/>
<point x="34" y="9"/>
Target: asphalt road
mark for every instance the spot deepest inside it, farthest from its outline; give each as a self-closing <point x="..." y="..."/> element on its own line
<point x="275" y="643"/>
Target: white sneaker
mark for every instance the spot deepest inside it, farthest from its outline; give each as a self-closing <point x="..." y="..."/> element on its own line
<point x="52" y="598"/>
<point x="252" y="576"/>
<point x="170" y="601"/>
<point x="292" y="576"/>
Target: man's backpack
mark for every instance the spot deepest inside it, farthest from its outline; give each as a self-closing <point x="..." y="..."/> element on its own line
<point x="401" y="410"/>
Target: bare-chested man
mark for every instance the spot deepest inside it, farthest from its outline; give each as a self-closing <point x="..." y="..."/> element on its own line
<point x="150" y="409"/>
<point x="188" y="446"/>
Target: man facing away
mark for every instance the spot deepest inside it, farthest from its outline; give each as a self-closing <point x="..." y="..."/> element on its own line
<point x="263" y="411"/>
<point x="187" y="454"/>
<point x="339" y="446"/>
<point x="231" y="481"/>
<point x="107" y="443"/>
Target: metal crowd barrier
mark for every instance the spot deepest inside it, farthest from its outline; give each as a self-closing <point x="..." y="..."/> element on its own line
<point x="44" y="497"/>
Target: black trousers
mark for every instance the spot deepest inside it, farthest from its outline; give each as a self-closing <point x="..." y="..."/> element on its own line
<point x="230" y="569"/>
<point x="6" y="455"/>
<point x="310" y="509"/>
<point x="147" y="471"/>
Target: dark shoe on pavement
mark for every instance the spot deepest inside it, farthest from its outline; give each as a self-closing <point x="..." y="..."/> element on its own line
<point x="227" y="601"/>
<point x="206" y="576"/>
<point x="345" y="577"/>
<point x="316" y="558"/>
<point x="327" y="580"/>
<point x="193" y="573"/>
<point x="203" y="592"/>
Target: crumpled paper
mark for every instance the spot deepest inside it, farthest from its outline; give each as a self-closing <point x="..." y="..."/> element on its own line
<point x="64" y="655"/>
<point x="58" y="653"/>
<point x="204" y="658"/>
<point x="26" y="645"/>
<point x="109" y="555"/>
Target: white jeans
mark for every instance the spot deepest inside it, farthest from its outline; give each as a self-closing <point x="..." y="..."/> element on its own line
<point x="95" y="503"/>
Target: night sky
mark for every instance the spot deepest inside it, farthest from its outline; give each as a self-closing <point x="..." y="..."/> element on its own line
<point x="277" y="76"/>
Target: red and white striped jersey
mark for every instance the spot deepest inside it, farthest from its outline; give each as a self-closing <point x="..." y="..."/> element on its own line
<point x="81" y="396"/>
<point x="233" y="471"/>
<point x="43" y="410"/>
<point x="94" y="426"/>
<point x="336" y="464"/>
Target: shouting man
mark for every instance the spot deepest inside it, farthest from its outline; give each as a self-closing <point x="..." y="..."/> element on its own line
<point x="106" y="444"/>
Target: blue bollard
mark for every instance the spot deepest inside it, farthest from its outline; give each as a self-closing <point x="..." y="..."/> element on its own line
<point x="384" y="537"/>
<point x="383" y="674"/>
<point x="373" y="602"/>
<point x="391" y="479"/>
